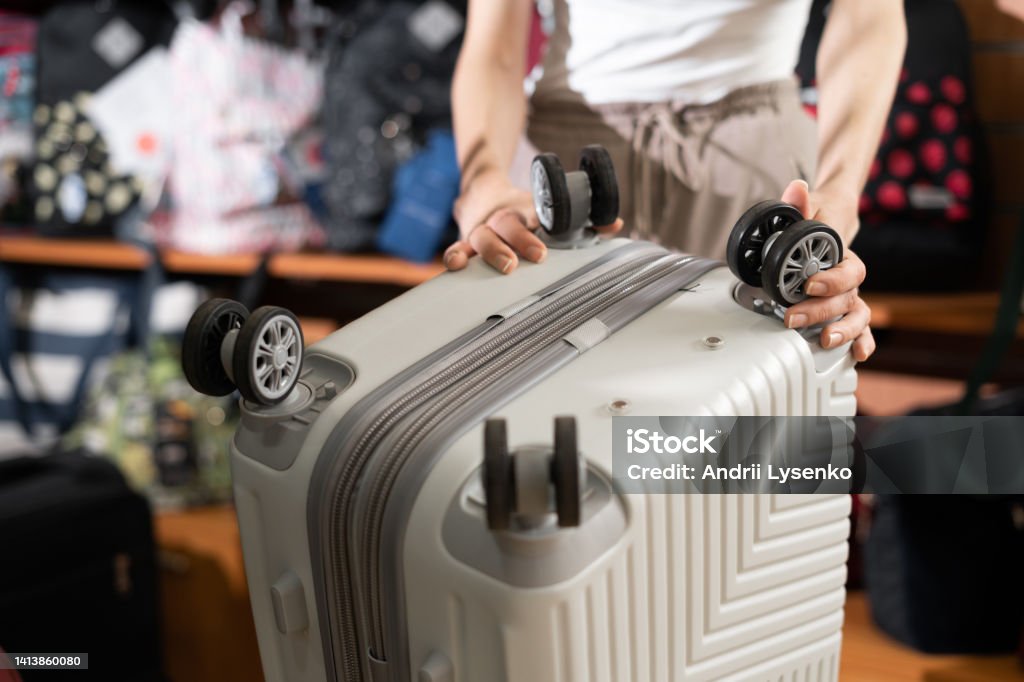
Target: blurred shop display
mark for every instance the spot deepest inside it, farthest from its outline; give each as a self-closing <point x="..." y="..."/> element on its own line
<point x="17" y="98"/>
<point x="80" y="568"/>
<point x="93" y="361"/>
<point x="56" y="330"/>
<point x="231" y="127"/>
<point x="923" y="210"/>
<point x="17" y="84"/>
<point x="387" y="80"/>
<point x="170" y="442"/>
<point x="76" y="183"/>
<point x="237" y="102"/>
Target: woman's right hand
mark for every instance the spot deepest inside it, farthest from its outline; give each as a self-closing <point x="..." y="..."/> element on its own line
<point x="497" y="220"/>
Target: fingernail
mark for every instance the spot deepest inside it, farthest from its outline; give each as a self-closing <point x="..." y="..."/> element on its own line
<point x="797" y="320"/>
<point x="536" y="254"/>
<point x="834" y="339"/>
<point x="815" y="289"/>
<point x="448" y="259"/>
<point x="506" y="264"/>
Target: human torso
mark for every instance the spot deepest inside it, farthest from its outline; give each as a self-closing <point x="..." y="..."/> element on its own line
<point x="688" y="51"/>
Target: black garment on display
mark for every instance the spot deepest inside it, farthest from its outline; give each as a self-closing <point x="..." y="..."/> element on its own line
<point x="82" y="45"/>
<point x="387" y="83"/>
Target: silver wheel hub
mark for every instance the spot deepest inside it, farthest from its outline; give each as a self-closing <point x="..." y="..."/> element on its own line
<point x="542" y="201"/>
<point x="815" y="252"/>
<point x="275" y="362"/>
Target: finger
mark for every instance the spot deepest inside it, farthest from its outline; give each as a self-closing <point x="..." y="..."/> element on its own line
<point x="608" y="230"/>
<point x="510" y="227"/>
<point x="493" y="249"/>
<point x="849" y="328"/>
<point x="864" y="346"/>
<point x="846" y="276"/>
<point x="457" y="255"/>
<point x="799" y="195"/>
<point x="817" y="310"/>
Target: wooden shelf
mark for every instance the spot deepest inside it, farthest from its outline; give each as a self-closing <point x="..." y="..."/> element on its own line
<point x="85" y="253"/>
<point x="106" y="254"/>
<point x="967" y="314"/>
<point x="971" y="314"/>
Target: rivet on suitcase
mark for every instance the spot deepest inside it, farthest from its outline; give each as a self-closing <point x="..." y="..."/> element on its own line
<point x="427" y="495"/>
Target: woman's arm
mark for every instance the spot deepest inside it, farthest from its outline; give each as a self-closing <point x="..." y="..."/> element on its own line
<point x="859" y="62"/>
<point x="495" y="218"/>
<point x="488" y="111"/>
<point x="488" y="103"/>
<point x="1015" y="8"/>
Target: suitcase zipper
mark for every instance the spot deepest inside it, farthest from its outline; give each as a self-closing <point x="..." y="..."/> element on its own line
<point x="502" y="349"/>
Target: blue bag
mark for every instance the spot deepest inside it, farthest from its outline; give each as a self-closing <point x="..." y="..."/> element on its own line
<point x="424" y="192"/>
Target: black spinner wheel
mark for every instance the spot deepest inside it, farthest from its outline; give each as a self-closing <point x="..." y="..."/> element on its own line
<point x="745" y="250"/>
<point x="566" y="473"/>
<point x="596" y="162"/>
<point x="551" y="194"/>
<point x="499" y="493"/>
<point x="268" y="355"/>
<point x="201" y="348"/>
<point x="803" y="250"/>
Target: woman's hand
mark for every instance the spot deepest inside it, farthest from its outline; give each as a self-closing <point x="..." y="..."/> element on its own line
<point x="497" y="220"/>
<point x="1015" y="8"/>
<point x="833" y="292"/>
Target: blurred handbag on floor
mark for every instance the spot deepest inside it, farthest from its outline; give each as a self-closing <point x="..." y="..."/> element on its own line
<point x="237" y="101"/>
<point x="79" y="569"/>
<point x="944" y="572"/>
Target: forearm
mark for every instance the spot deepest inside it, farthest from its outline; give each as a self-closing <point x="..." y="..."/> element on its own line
<point x="488" y="112"/>
<point x="488" y="101"/>
<point x="859" y="63"/>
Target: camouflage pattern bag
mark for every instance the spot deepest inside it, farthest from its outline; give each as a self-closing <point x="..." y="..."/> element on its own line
<point x="170" y="442"/>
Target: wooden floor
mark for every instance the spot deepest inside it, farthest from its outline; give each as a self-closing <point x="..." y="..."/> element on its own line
<point x="871" y="656"/>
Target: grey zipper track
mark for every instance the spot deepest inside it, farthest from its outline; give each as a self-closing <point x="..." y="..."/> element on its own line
<point x="554" y="324"/>
<point x="495" y="346"/>
<point x="498" y="341"/>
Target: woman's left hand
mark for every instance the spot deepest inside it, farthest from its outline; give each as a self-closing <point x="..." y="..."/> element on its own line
<point x="833" y="292"/>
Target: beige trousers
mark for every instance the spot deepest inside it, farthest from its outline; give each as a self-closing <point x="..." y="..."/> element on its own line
<point x="686" y="174"/>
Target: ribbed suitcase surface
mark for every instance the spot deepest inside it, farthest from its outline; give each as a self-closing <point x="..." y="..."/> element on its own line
<point x="364" y="522"/>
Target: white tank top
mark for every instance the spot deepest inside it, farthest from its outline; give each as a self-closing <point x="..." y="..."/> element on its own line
<point x="686" y="51"/>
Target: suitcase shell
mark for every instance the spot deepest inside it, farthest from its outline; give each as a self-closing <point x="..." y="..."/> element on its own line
<point x="648" y="588"/>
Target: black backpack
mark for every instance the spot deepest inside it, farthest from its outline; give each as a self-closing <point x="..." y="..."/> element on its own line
<point x="924" y="209"/>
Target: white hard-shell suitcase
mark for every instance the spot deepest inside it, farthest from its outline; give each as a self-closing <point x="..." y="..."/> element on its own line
<point x="376" y="550"/>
